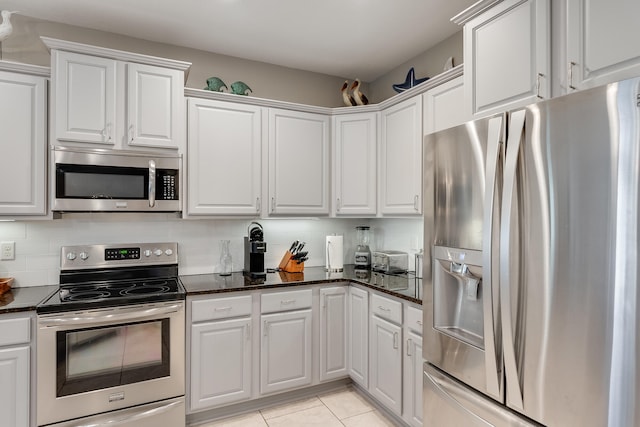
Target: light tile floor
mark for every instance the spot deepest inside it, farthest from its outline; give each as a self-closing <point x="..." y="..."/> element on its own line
<point x="345" y="407"/>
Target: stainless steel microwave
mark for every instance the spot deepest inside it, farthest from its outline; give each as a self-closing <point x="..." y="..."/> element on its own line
<point x="115" y="181"/>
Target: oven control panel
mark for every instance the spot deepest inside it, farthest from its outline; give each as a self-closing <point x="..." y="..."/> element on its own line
<point x="117" y="255"/>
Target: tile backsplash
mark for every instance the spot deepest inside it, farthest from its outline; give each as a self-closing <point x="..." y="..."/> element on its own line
<point x="37" y="248"/>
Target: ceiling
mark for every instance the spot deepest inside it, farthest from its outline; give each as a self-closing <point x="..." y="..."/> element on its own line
<point x="345" y="38"/>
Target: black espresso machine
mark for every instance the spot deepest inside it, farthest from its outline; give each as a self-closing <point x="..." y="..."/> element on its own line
<point x="254" y="249"/>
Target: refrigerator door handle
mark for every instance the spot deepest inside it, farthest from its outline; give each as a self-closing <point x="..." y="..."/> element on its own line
<point x="490" y="304"/>
<point x="513" y="386"/>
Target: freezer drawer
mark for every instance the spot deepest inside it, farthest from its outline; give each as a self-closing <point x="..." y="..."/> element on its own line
<point x="448" y="403"/>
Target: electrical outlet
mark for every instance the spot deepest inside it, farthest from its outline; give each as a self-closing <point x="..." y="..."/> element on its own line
<point x="7" y="251"/>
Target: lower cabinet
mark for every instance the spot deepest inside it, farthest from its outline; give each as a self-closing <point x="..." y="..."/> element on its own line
<point x="385" y="353"/>
<point x="358" y="331"/>
<point x="333" y="333"/>
<point x="412" y="394"/>
<point x="15" y="357"/>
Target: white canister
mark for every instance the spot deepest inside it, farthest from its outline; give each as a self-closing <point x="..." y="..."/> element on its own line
<point x="334" y="256"/>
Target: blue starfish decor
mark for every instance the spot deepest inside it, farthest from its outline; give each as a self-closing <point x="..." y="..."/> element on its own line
<point x="409" y="82"/>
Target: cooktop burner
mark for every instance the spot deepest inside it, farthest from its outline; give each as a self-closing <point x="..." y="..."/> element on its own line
<point x="100" y="276"/>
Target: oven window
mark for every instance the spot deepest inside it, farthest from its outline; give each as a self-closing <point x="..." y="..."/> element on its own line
<point x="101" y="182"/>
<point x="109" y="356"/>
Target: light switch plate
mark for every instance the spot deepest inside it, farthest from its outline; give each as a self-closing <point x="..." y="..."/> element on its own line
<point x="7" y="251"/>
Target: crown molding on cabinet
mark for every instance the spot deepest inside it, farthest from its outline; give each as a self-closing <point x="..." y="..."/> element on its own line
<point x="17" y="67"/>
<point x="262" y="102"/>
<point x="473" y="10"/>
<point x="117" y="54"/>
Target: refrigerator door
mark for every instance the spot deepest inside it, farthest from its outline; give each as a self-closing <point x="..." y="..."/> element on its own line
<point x="462" y="334"/>
<point x="569" y="259"/>
<point x="449" y="403"/>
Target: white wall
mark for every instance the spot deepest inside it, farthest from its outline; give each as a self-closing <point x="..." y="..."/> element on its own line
<point x="38" y="242"/>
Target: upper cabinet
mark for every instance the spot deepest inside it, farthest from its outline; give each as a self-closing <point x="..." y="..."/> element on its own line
<point x="23" y="149"/>
<point x="354" y="164"/>
<point x="298" y="168"/>
<point x="444" y="106"/>
<point x="224" y="158"/>
<point x="602" y="42"/>
<point x="401" y="158"/>
<point x="506" y="55"/>
<point x="112" y="99"/>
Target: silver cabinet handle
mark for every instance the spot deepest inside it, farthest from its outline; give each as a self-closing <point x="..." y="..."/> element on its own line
<point x="419" y="322"/>
<point x="273" y="204"/>
<point x="131" y="133"/>
<point x="152" y="183"/>
<point x="266" y="329"/>
<point x="415" y="203"/>
<point x="409" y="347"/>
<point x="384" y="308"/>
<point x="257" y="204"/>
<point x="287" y="301"/>
<point x="222" y="308"/>
<point x="338" y="205"/>
<point x="247" y="331"/>
<point x="570" y="77"/>
<point x="540" y="75"/>
<point x="395" y="340"/>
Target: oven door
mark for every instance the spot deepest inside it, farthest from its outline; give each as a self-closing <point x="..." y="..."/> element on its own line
<point x="95" y="361"/>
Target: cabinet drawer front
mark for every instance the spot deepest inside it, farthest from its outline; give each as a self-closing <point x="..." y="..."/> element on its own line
<point x="386" y="308"/>
<point x="220" y="308"/>
<point x="286" y="301"/>
<point x="414" y="319"/>
<point x="15" y="331"/>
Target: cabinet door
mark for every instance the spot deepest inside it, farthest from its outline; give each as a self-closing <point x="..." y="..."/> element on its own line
<point x="298" y="163"/>
<point x="602" y="42"/>
<point x="444" y="106"/>
<point x="285" y="359"/>
<point x="386" y="363"/>
<point x="23" y="146"/>
<point x="359" y="336"/>
<point x="220" y="363"/>
<point x="84" y="98"/>
<point x="155" y="106"/>
<point x="333" y="333"/>
<point x="224" y="158"/>
<point x="507" y="56"/>
<point x="354" y="164"/>
<point x="401" y="158"/>
<point x="412" y="397"/>
<point x="14" y="386"/>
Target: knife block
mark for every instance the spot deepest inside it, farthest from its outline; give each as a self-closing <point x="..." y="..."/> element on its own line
<point x="289" y="265"/>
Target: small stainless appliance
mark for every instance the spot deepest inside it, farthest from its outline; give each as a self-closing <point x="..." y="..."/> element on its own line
<point x="254" y="249"/>
<point x="390" y="262"/>
<point x="99" y="180"/>
<point x="111" y="339"/>
<point x="362" y="257"/>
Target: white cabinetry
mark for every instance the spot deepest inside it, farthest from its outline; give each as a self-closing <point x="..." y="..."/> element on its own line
<point x="224" y="158"/>
<point x="602" y="38"/>
<point x="14" y="371"/>
<point x="507" y="56"/>
<point x="358" y="330"/>
<point x="385" y="352"/>
<point x="444" y="106"/>
<point x="354" y="164"/>
<point x="298" y="163"/>
<point x="23" y="120"/>
<point x="108" y="103"/>
<point x="401" y="158"/>
<point x="333" y="333"/>
<point x="412" y="367"/>
<point x="285" y="356"/>
<point x="220" y="365"/>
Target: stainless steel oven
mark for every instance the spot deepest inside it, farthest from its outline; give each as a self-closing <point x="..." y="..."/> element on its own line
<point x="111" y="341"/>
<point x="115" y="181"/>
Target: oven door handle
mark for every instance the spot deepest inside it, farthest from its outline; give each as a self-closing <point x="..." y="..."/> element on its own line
<point x="108" y="316"/>
<point x="135" y="417"/>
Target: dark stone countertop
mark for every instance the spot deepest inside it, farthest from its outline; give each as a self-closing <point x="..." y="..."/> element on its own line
<point x="405" y="286"/>
<point x="24" y="299"/>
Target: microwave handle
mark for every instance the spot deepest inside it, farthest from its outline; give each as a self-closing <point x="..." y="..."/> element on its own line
<point x="152" y="183"/>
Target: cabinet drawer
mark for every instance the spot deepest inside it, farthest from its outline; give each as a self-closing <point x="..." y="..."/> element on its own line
<point x="414" y="319"/>
<point x="386" y="308"/>
<point x="286" y="301"/>
<point x="220" y="308"/>
<point x="15" y="331"/>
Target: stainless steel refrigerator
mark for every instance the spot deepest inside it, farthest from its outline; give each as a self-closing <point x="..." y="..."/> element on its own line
<point x="531" y="293"/>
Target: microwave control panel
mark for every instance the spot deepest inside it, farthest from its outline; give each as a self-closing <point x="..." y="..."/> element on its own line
<point x="167" y="185"/>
